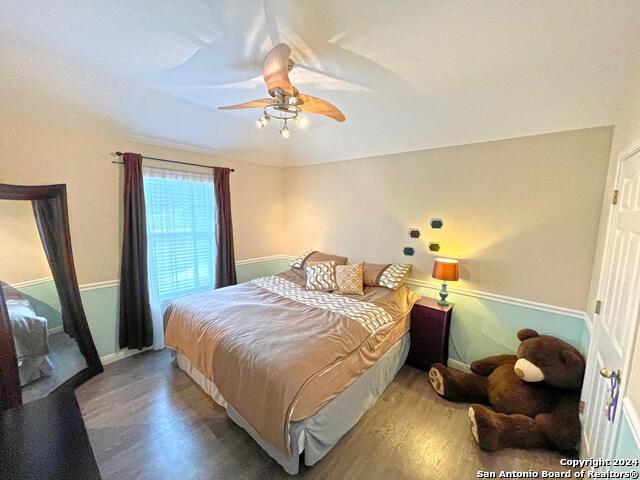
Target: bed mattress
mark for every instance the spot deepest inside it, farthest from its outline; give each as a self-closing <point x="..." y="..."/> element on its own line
<point x="295" y="350"/>
<point x="317" y="435"/>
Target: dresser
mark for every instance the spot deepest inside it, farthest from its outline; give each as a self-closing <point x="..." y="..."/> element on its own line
<point x="46" y="440"/>
<point x="430" y="324"/>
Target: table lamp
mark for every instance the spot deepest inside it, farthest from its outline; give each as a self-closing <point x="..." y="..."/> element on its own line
<point x="445" y="269"/>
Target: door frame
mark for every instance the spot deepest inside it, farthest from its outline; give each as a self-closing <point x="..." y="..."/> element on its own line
<point x="623" y="403"/>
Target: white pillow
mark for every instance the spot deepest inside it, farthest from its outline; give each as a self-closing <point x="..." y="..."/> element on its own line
<point x="19" y="308"/>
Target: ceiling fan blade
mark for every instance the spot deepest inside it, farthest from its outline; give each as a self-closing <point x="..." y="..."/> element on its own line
<point x="263" y="102"/>
<point x="276" y="70"/>
<point x="307" y="103"/>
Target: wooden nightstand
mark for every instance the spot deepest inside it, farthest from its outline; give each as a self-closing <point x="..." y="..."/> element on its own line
<point x="430" y="325"/>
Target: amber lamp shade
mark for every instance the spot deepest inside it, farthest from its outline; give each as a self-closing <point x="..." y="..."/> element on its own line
<point x="445" y="269"/>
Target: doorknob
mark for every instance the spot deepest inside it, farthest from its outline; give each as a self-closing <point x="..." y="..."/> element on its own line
<point x="608" y="373"/>
<point x="611" y="406"/>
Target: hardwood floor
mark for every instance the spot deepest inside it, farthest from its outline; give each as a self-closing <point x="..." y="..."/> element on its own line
<point x="148" y="420"/>
<point x="66" y="359"/>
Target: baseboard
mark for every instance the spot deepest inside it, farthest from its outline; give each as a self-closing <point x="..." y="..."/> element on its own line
<point x="120" y="354"/>
<point x="520" y="302"/>
<point x="95" y="286"/>
<point x="30" y="283"/>
<point x="412" y="281"/>
<point x="54" y="330"/>
<point x="248" y="261"/>
<point x="458" y="365"/>
<point x="114" y="283"/>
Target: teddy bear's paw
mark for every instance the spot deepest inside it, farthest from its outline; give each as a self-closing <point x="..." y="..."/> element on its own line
<point x="474" y="424"/>
<point x="483" y="427"/>
<point x="436" y="380"/>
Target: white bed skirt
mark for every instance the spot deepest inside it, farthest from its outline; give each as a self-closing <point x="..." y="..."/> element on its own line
<point x="318" y="434"/>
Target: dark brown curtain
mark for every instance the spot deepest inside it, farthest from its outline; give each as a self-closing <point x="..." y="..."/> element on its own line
<point x="225" y="256"/>
<point x="50" y="219"/>
<point x="136" y="328"/>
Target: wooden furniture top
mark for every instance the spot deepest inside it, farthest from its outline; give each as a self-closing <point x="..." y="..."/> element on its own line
<point x="433" y="303"/>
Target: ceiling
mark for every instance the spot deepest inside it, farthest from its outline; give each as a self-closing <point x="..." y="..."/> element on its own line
<point x="408" y="75"/>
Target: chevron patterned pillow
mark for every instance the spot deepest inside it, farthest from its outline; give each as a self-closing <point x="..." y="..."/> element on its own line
<point x="394" y="276"/>
<point x="349" y="278"/>
<point x="321" y="276"/>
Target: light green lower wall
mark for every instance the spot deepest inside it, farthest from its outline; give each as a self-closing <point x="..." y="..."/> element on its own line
<point x="249" y="271"/>
<point x="44" y="300"/>
<point x="101" y="304"/>
<point x="101" y="307"/>
<point x="626" y="444"/>
<point x="481" y="327"/>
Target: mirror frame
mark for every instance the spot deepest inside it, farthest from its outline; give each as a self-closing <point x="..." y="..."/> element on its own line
<point x="10" y="389"/>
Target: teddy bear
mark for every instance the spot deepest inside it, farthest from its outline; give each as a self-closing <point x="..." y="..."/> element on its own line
<point x="528" y="400"/>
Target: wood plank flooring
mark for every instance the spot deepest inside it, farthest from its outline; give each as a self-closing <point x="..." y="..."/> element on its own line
<point x="67" y="360"/>
<point x="148" y="420"/>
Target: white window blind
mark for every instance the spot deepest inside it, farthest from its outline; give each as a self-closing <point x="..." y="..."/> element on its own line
<point x="180" y="214"/>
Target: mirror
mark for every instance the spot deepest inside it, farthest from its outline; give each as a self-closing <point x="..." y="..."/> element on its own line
<point x="42" y="322"/>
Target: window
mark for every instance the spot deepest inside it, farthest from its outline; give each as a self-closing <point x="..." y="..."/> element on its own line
<point x="180" y="210"/>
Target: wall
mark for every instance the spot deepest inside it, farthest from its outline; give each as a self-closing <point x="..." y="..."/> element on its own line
<point x="100" y="302"/>
<point x="482" y="326"/>
<point x="628" y="442"/>
<point x="35" y="154"/>
<point x="520" y="214"/>
<point x="526" y="241"/>
<point x="519" y="254"/>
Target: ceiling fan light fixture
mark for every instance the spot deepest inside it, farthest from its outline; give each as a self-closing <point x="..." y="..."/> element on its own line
<point x="302" y="122"/>
<point x="286" y="102"/>
<point x="262" y="121"/>
<point x="284" y="131"/>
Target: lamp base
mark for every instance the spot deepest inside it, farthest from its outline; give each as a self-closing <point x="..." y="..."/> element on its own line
<point x="443" y="295"/>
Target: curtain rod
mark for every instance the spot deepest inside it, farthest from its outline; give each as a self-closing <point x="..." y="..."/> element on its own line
<point x="119" y="154"/>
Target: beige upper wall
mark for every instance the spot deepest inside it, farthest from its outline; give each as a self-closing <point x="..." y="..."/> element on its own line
<point x="22" y="257"/>
<point x="520" y="214"/>
<point x="36" y="154"/>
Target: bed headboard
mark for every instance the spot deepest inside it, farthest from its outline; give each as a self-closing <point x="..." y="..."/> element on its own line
<point x="11" y="293"/>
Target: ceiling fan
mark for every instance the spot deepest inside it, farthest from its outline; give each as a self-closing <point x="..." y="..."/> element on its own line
<point x="286" y="102"/>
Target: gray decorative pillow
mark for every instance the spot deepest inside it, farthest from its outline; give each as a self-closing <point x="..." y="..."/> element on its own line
<point x="321" y="276"/>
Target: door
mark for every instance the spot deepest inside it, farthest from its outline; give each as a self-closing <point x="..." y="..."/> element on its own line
<point x="615" y="326"/>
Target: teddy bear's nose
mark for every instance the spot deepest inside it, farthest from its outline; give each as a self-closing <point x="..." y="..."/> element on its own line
<point x="527" y="371"/>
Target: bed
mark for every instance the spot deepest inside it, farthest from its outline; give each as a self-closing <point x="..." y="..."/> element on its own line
<point x="29" y="336"/>
<point x="310" y="363"/>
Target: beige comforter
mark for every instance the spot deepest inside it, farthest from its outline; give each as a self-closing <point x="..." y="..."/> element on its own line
<point x="277" y="352"/>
